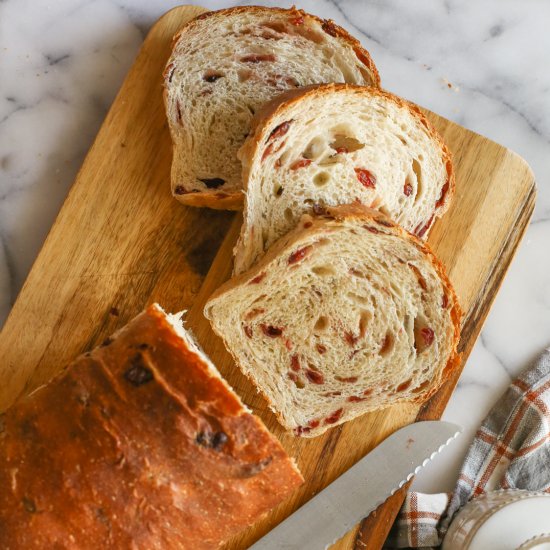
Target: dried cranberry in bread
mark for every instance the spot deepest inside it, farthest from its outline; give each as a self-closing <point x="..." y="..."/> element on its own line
<point x="139" y="444"/>
<point x="224" y="66"/>
<point x="346" y="314"/>
<point x="341" y="144"/>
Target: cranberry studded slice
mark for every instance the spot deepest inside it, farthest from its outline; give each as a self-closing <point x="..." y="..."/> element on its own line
<point x="371" y="229"/>
<point x="321" y="348"/>
<point x="350" y="379"/>
<point x="419" y="277"/>
<point x="350" y="338"/>
<point x="271" y="331"/>
<point x="334" y="417"/>
<point x="257" y="279"/>
<point x="257" y="58"/>
<point x="366" y="178"/>
<point x="404" y="385"/>
<point x="427" y="335"/>
<point x="299" y="255"/>
<point x="420" y="230"/>
<point x="315" y="377"/>
<point x="300" y="163"/>
<point x="279" y="131"/>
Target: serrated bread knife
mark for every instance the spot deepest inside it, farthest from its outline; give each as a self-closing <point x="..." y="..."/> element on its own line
<point x="354" y="495"/>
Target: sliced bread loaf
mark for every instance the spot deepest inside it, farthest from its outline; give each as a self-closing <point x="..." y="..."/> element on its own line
<point x="224" y="66"/>
<point x="346" y="314"/>
<point x="336" y="144"/>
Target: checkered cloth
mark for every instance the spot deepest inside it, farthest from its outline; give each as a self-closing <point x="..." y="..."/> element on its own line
<point x="511" y="450"/>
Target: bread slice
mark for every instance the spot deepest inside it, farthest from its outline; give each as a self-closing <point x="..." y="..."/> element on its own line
<point x="341" y="144"/>
<point x="138" y="444"/>
<point x="224" y="66"/>
<point x="346" y="314"/>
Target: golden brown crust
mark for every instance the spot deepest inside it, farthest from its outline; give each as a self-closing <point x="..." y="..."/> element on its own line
<point x="235" y="200"/>
<point x="139" y="444"/>
<point x="217" y="201"/>
<point x="264" y="118"/>
<point x="350" y="211"/>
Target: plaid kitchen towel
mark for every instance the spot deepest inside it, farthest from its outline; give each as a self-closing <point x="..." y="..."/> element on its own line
<point x="511" y="450"/>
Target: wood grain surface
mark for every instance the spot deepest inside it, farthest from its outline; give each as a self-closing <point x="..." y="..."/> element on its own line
<point x="121" y="242"/>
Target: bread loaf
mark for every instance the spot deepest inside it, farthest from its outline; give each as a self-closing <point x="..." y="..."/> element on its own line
<point x="346" y="314"/>
<point x="139" y="444"/>
<point x="224" y="66"/>
<point x="336" y="144"/>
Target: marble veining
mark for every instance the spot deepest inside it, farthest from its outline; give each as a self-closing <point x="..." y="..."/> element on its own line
<point x="482" y="64"/>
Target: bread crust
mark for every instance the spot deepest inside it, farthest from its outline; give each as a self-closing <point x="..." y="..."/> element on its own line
<point x="263" y="120"/>
<point x="138" y="444"/>
<point x="338" y="213"/>
<point x="234" y="200"/>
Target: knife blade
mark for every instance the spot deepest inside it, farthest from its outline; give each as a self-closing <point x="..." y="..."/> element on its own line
<point x="355" y="494"/>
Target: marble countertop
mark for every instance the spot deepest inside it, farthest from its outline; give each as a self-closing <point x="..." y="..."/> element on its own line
<point x="482" y="64"/>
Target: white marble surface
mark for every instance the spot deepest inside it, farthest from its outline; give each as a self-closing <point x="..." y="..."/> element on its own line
<point x="483" y="64"/>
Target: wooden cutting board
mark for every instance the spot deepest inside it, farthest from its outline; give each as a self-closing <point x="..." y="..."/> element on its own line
<point x="120" y="242"/>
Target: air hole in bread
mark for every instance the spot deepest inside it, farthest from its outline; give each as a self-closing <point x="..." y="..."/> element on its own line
<point x="212" y="76"/>
<point x="358" y="299"/>
<point x="315" y="36"/>
<point x="347" y="73"/>
<point x="321" y="179"/>
<point x="277" y="190"/>
<point x="315" y="148"/>
<point x="364" y="320"/>
<point x="346" y="144"/>
<point x="296" y="380"/>
<point x="384" y="210"/>
<point x="323" y="270"/>
<point x="276" y="26"/>
<point x="418" y="173"/>
<point x="259" y="299"/>
<point x="408" y="324"/>
<point x="212" y="183"/>
<point x="423" y="334"/>
<point x="402" y="140"/>
<point x="422" y="386"/>
<point x="387" y="344"/>
<point x="321" y="324"/>
<point x="244" y="74"/>
<point x="364" y="73"/>
<point x="288" y="214"/>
